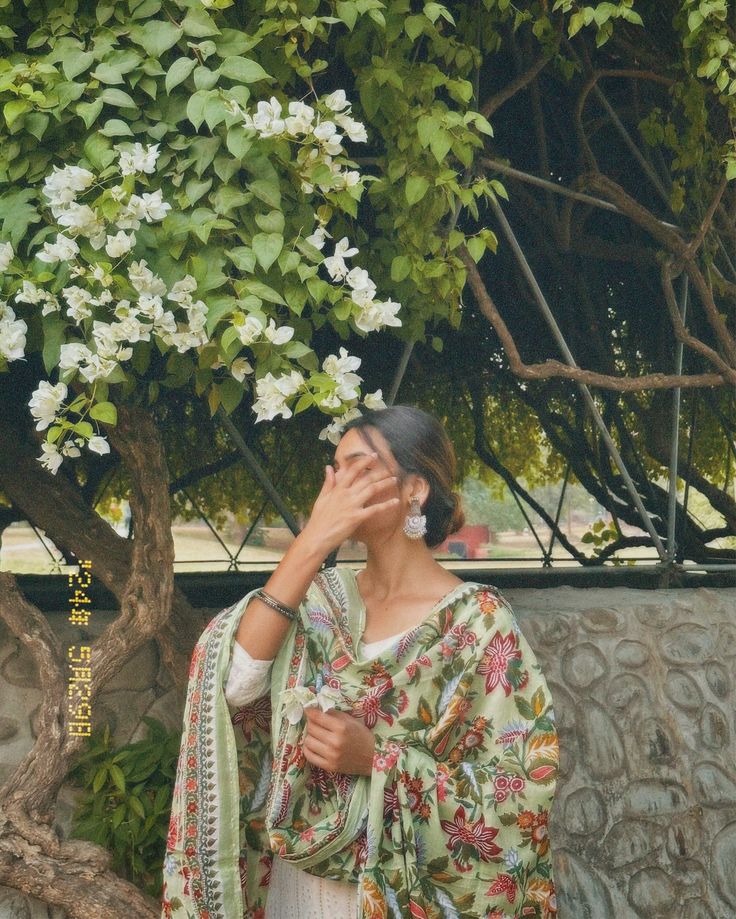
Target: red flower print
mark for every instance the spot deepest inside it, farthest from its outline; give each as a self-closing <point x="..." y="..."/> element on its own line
<point x="256" y="714"/>
<point x="504" y="884"/>
<point x="464" y="835"/>
<point x="497" y="660"/>
<point x="368" y="707"/>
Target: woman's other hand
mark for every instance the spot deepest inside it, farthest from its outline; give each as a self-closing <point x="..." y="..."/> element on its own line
<point x="340" y="506"/>
<point x="338" y="742"/>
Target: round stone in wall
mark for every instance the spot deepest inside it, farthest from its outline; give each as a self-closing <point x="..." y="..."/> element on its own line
<point x="684" y="836"/>
<point x="8" y="728"/>
<point x="631" y="653"/>
<point x="600" y="621"/>
<point x="718" y="679"/>
<point x="696" y="909"/>
<point x="654" y="615"/>
<point x="682" y="690"/>
<point x="723" y="859"/>
<point x="652" y="893"/>
<point x="688" y="643"/>
<point x="631" y="840"/>
<point x="583" y="665"/>
<point x="585" y="811"/>
<point x="714" y="730"/>
<point x="654" y="798"/>
<point x="581" y="892"/>
<point x="713" y="786"/>
<point x="628" y="690"/>
<point x="601" y="742"/>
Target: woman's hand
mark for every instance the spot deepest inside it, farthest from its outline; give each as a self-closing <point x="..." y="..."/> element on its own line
<point x="340" y="505"/>
<point x="338" y="742"/>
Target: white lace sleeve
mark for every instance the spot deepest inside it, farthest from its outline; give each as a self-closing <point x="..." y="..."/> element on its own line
<point x="248" y="678"/>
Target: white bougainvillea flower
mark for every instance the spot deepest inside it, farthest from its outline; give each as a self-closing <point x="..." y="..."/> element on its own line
<point x="12" y="334"/>
<point x="6" y="256"/>
<point x="182" y="290"/>
<point x="150" y="206"/>
<point x="341" y="370"/>
<point x="144" y="280"/>
<point x="377" y="315"/>
<point x="119" y="244"/>
<point x="138" y="159"/>
<point x="336" y="101"/>
<point x="333" y="431"/>
<point x="79" y="301"/>
<point x="267" y="119"/>
<point x="250" y="330"/>
<point x="98" y="444"/>
<point x="68" y="449"/>
<point x="82" y="220"/>
<point x="296" y="698"/>
<point x="45" y="403"/>
<point x="63" y="250"/>
<point x="51" y="459"/>
<point x="374" y="400"/>
<point x="318" y="238"/>
<point x="72" y="354"/>
<point x="335" y="264"/>
<point x="62" y="186"/>
<point x="272" y="393"/>
<point x="29" y="293"/>
<point x="239" y="368"/>
<point x="278" y="336"/>
<point x="355" y="130"/>
<point x="300" y="120"/>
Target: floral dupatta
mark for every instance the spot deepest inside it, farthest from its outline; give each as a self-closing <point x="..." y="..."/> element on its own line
<point x="452" y="822"/>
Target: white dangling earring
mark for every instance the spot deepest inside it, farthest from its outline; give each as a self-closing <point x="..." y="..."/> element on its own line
<point x="415" y="525"/>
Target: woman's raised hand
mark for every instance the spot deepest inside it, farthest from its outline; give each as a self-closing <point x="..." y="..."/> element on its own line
<point x="341" y="504"/>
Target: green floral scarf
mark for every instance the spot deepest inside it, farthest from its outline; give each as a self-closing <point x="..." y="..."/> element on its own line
<point x="452" y="822"/>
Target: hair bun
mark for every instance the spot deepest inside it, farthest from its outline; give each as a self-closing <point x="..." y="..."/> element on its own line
<point x="457" y="519"/>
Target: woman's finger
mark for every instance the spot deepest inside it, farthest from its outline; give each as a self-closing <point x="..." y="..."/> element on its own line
<point x="357" y="467"/>
<point x="365" y="512"/>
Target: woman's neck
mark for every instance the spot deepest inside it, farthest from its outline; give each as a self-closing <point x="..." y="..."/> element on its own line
<point x="397" y="566"/>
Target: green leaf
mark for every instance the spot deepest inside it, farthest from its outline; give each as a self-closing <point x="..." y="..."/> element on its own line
<point x="440" y="144"/>
<point x="476" y="247"/>
<point x="178" y="72"/>
<point x="416" y="188"/>
<point x="14" y="109"/>
<point x="53" y="338"/>
<point x="347" y="10"/>
<point x="114" y="127"/>
<point x="267" y="247"/>
<point x="77" y="63"/>
<point x="104" y="411"/>
<point x="99" y="779"/>
<point x="243" y="70"/>
<point x="156" y="37"/>
<point x="118" y="776"/>
<point x="243" y="258"/>
<point x="118" y="98"/>
<point x="88" y="111"/>
<point x="136" y="806"/>
<point x="400" y="268"/>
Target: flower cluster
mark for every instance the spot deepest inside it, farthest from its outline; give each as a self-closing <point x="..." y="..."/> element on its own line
<point x="317" y="129"/>
<point x="89" y="274"/>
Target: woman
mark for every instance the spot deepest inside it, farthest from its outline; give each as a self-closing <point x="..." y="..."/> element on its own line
<point x="389" y="748"/>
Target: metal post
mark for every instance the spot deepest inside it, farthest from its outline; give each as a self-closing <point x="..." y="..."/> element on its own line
<point x="258" y="471"/>
<point x="562" y="344"/>
<point x="675" y="436"/>
<point x="400" y="370"/>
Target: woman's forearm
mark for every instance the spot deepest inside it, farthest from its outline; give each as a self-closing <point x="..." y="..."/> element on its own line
<point x="262" y="630"/>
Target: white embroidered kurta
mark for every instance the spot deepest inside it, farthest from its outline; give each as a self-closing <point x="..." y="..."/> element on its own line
<point x="294" y="893"/>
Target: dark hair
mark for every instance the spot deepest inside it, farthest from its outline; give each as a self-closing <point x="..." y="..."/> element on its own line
<point x="421" y="447"/>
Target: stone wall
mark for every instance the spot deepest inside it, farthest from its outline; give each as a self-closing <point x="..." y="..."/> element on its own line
<point x="644" y="685"/>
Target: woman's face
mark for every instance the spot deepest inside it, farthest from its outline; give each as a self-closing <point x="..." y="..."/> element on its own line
<point x="352" y="446"/>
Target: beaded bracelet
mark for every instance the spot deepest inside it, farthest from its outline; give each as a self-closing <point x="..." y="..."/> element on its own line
<point x="287" y="611"/>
